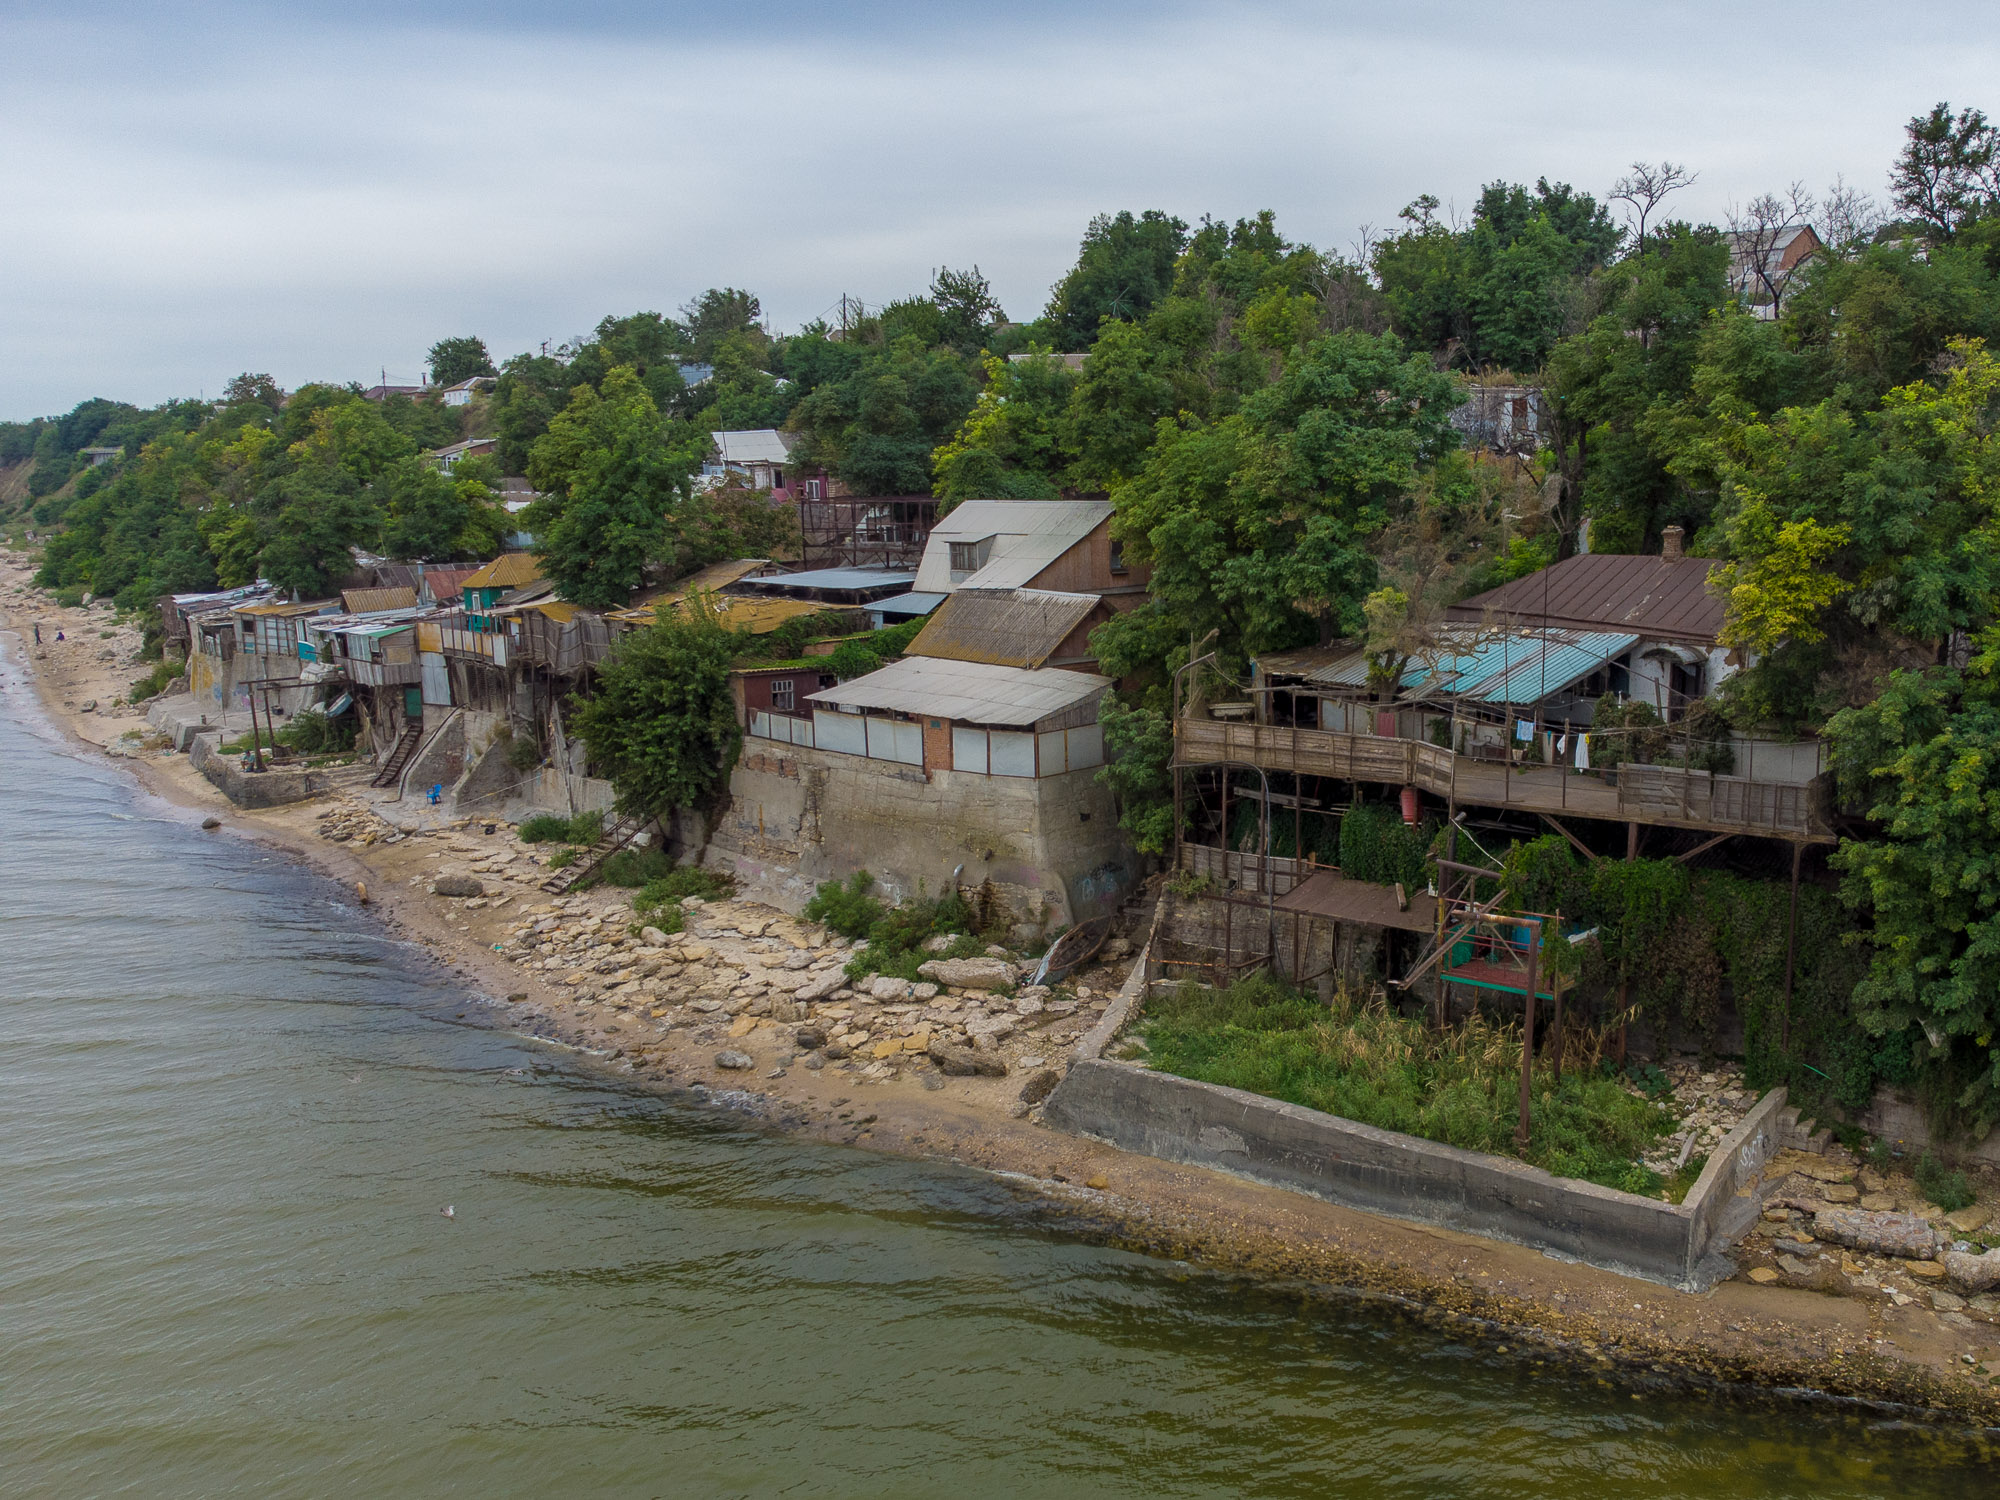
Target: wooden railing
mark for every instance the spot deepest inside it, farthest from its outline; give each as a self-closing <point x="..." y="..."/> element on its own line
<point x="1634" y="793"/>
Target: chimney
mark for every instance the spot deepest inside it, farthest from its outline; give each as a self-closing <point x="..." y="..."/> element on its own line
<point x="1670" y="543"/>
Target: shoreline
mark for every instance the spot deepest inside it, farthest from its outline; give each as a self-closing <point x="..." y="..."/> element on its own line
<point x="1763" y="1341"/>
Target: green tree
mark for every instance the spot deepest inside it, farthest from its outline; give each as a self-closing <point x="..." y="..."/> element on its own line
<point x="1009" y="447"/>
<point x="715" y="315"/>
<point x="1948" y="172"/>
<point x="439" y="517"/>
<point x="454" y="360"/>
<point x="876" y="429"/>
<point x="1119" y="398"/>
<point x="662" y="724"/>
<point x="1124" y="268"/>
<point x="320" y="513"/>
<point x="612" y="471"/>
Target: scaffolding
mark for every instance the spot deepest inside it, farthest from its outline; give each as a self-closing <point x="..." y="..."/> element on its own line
<point x="861" y="531"/>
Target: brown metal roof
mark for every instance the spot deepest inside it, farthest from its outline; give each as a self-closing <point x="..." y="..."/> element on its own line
<point x="368" y="601"/>
<point x="1661" y="597"/>
<point x="446" y="583"/>
<point x="1006" y="627"/>
<point x="511" y="570"/>
<point x="1329" y="894"/>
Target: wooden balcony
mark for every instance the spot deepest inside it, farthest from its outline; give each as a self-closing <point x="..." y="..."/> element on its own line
<point x="1663" y="795"/>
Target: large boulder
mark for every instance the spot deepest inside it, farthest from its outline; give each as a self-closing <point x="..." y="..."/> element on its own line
<point x="970" y="973"/>
<point x="457" y="886"/>
<point x="734" y="1060"/>
<point x="1904" y="1235"/>
<point x="963" y="1062"/>
<point x="1972" y="1273"/>
<point x="888" y="987"/>
<point x="820" y="988"/>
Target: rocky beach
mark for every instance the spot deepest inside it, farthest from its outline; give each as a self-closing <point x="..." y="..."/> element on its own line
<point x="751" y="1009"/>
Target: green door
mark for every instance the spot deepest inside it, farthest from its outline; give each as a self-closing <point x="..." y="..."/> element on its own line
<point x="413" y="703"/>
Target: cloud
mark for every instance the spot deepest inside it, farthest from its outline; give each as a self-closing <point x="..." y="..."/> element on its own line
<point x="325" y="194"/>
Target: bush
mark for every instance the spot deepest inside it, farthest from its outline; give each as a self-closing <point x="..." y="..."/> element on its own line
<point x="1948" y="1190"/>
<point x="311" y="732"/>
<point x="547" y="828"/>
<point x="523" y="754"/>
<point x="895" y="935"/>
<point x="154" y="683"/>
<point x="661" y="896"/>
<point x="848" y="909"/>
<point x="632" y="868"/>
<point x="562" y="859"/>
<point x="1364" y="1062"/>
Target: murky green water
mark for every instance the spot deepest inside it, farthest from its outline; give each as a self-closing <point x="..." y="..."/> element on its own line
<point x="230" y="1113"/>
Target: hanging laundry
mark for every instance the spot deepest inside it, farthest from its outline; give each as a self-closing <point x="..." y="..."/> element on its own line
<point x="1562" y="745"/>
<point x="1583" y="752"/>
<point x="1524" y="730"/>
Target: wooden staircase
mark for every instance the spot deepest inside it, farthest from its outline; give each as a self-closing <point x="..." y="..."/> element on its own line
<point x="618" y="832"/>
<point x="406" y="747"/>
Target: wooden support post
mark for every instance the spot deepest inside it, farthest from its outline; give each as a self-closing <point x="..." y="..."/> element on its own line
<point x="1528" y="1034"/>
<point x="1791" y="949"/>
<point x="1557" y="986"/>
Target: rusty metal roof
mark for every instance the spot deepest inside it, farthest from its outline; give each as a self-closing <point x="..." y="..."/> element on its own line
<point x="311" y="607"/>
<point x="1008" y="627"/>
<point x="1662" y="598"/>
<point x="1329" y="894"/>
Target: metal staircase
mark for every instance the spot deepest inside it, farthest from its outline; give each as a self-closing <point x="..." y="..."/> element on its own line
<point x="618" y="832"/>
<point x="406" y="747"/>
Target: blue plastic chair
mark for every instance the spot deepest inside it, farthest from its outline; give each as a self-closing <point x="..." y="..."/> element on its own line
<point x="436" y="791"/>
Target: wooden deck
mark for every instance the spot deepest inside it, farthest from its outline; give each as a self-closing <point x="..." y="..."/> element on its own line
<point x="1663" y="795"/>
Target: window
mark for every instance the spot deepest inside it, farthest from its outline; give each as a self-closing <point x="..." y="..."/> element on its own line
<point x="1117" y="555"/>
<point x="812" y="490"/>
<point x="965" y="557"/>
<point x="782" y="700"/>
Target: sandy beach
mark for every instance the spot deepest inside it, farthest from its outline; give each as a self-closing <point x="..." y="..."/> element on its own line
<point x="568" y="970"/>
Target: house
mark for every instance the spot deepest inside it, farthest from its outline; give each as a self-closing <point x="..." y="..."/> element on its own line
<point x="932" y="773"/>
<point x="852" y="587"/>
<point x="99" y="457"/>
<point x="760" y="457"/>
<point x="1067" y="361"/>
<point x="487" y="586"/>
<point x="446" y="458"/>
<point x="1060" y="545"/>
<point x="1763" y="261"/>
<point x="385" y="390"/>
<point x="376" y="600"/>
<point x="1503" y="418"/>
<point x="441" y="586"/>
<point x="462" y="393"/>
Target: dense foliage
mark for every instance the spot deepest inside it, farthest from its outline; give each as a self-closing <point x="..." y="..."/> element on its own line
<point x="661" y="725"/>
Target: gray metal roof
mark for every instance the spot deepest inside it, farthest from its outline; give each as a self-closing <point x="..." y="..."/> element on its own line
<point x="1027" y="536"/>
<point x="1663" y="598"/>
<point x="971" y="692"/>
<point x="829" y="578"/>
<point x="757" y="445"/>
<point x="911" y="604"/>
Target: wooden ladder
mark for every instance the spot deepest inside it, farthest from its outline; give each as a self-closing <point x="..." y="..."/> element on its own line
<point x="392" y="768"/>
<point x="618" y="832"/>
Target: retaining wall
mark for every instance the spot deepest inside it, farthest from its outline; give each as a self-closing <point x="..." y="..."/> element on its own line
<point x="1286" y="1145"/>
<point x="253" y="788"/>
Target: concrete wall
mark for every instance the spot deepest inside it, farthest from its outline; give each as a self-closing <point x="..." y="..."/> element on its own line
<point x="1898" y="1118"/>
<point x="1050" y="847"/>
<point x="1383" y="1172"/>
<point x="251" y="788"/>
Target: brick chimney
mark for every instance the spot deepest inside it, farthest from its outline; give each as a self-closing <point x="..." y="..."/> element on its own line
<point x="1670" y="543"/>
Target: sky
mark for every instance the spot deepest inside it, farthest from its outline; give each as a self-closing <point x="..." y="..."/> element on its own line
<point x="322" y="191"/>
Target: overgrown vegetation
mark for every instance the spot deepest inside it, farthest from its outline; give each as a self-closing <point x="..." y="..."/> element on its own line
<point x="894" y="935"/>
<point x="1948" y="1189"/>
<point x="661" y="724"/>
<point x="1361" y="1061"/>
<point x="163" y="676"/>
<point x="551" y="828"/>
<point x="657" y="903"/>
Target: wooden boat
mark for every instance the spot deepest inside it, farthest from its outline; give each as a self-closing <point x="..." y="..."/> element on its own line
<point x="1073" y="950"/>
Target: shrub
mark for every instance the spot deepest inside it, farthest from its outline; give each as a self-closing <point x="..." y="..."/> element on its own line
<point x="547" y="828"/>
<point x="154" y="683"/>
<point x="312" y="732"/>
<point x="523" y="754"/>
<point x="848" y="909"/>
<point x="895" y="935"/>
<point x="658" y="901"/>
<point x="562" y="859"/>
<point x="1948" y="1190"/>
<point x="632" y="868"/>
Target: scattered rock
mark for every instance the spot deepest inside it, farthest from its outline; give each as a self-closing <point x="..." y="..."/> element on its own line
<point x="1028" y="1005"/>
<point x="924" y="991"/>
<point x="939" y="943"/>
<point x="969" y="973"/>
<point x="1970" y="1220"/>
<point x="1100" y="1182"/>
<point x="1763" y="1275"/>
<point x="810" y="1037"/>
<point x="1944" y="1301"/>
<point x="736" y="1061"/>
<point x="818" y="989"/>
<point x="888" y="987"/>
<point x="652" y="937"/>
<point x="1838" y="1192"/>
<point x="1827" y="1171"/>
<point x="211" y="823"/>
<point x="1791" y="1265"/>
<point x="1927" y="1270"/>
<point x="457" y="886"/>
<point x="88" y="706"/>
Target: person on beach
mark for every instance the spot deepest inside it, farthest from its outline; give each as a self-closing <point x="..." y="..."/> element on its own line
<point x="59" y="635"/>
<point x="38" y="632"/>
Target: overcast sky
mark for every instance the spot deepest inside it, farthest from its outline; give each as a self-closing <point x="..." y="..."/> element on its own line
<point x="321" y="191"/>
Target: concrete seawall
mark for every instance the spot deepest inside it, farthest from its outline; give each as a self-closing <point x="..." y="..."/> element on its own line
<point x="1286" y="1145"/>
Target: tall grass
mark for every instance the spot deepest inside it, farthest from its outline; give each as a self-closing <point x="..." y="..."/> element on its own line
<point x="1361" y="1061"/>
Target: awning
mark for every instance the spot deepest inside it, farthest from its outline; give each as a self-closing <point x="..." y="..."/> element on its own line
<point x="1329" y="894"/>
<point x="340" y="705"/>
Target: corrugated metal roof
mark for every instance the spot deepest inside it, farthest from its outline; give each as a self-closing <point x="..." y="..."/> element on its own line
<point x="913" y="605"/>
<point x="1013" y="627"/>
<point x="446" y="583"/>
<point x="737" y="611"/>
<point x="368" y="601"/>
<point x="833" y="578"/>
<point x="1485" y="666"/>
<point x="511" y="570"/>
<point x="715" y="576"/>
<point x="971" y="692"/>
<point x="1662" y="597"/>
<point x="756" y="445"/>
<point x="1027" y="536"/>
<point x="1327" y="893"/>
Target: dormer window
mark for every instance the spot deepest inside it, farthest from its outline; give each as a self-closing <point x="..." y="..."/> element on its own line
<point x="1117" y="555"/>
<point x="968" y="558"/>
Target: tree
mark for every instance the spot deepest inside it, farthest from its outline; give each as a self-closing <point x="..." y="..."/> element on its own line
<point x="714" y="315"/>
<point x="967" y="306"/>
<point x="253" y="390"/>
<point x="612" y="471"/>
<point x="321" y="514"/>
<point x="877" y="428"/>
<point x="1924" y="758"/>
<point x="1948" y="172"/>
<point x="1760" y="236"/>
<point x="454" y="360"/>
<point x="662" y="724"/>
<point x="1645" y="187"/>
<point x="1008" y="447"/>
<point x="1123" y="269"/>
<point x="439" y="517"/>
